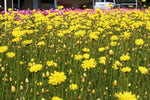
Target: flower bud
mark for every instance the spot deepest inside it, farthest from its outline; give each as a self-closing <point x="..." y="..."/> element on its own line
<point x="2" y="69"/>
<point x="115" y="83"/>
<point x="111" y="52"/>
<point x="13" y="89"/>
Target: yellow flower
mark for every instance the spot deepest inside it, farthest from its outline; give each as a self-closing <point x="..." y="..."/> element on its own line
<point x="139" y="42"/>
<point x="126" y="35"/>
<point x="110" y="5"/>
<point x="143" y="70"/>
<point x="73" y="87"/>
<point x="60" y="7"/>
<point x="118" y="63"/>
<point x="125" y="57"/>
<point x="115" y="67"/>
<point x="9" y="9"/>
<point x="3" y="49"/>
<point x="126" y="69"/>
<point x="36" y="68"/>
<point x="56" y="98"/>
<point x="91" y="63"/>
<point x="86" y="56"/>
<point x="113" y="43"/>
<point x="85" y="49"/>
<point x="50" y="63"/>
<point x="102" y="60"/>
<point x="27" y="42"/>
<point x="42" y="43"/>
<point x="78" y="57"/>
<point x="40" y="83"/>
<point x="10" y="54"/>
<point x="126" y="96"/>
<point x="114" y="37"/>
<point x="93" y="36"/>
<point x="16" y="39"/>
<point x="143" y="0"/>
<point x="101" y="49"/>
<point x="57" y="78"/>
<point x="80" y="33"/>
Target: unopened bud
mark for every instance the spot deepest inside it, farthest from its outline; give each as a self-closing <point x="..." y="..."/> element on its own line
<point x="13" y="89"/>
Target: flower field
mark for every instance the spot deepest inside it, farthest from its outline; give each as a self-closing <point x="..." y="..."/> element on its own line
<point x="75" y="54"/>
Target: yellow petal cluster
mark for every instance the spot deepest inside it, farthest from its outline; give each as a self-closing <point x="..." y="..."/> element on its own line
<point x="56" y="98"/>
<point x="139" y="42"/>
<point x="10" y="54"/>
<point x="126" y="96"/>
<point x="87" y="64"/>
<point x="126" y="69"/>
<point x="73" y="86"/>
<point x="143" y="70"/>
<point x="57" y="78"/>
<point x="3" y="49"/>
<point x="36" y="68"/>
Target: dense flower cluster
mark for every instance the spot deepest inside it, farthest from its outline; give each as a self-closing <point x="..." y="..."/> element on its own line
<point x="67" y="54"/>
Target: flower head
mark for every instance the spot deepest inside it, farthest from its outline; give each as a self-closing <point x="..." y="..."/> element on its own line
<point x="125" y="57"/>
<point x="3" y="49"/>
<point x="126" y="96"/>
<point x="50" y="63"/>
<point x="139" y="42"/>
<point x="143" y="70"/>
<point x="78" y="57"/>
<point x="73" y="86"/>
<point x="114" y="37"/>
<point x="56" y="98"/>
<point x="126" y="69"/>
<point x="27" y="42"/>
<point x="57" y="78"/>
<point x="85" y="49"/>
<point x="91" y="63"/>
<point x="10" y="54"/>
<point x="102" y="60"/>
<point x="42" y="43"/>
<point x="86" y="56"/>
<point x="35" y="68"/>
